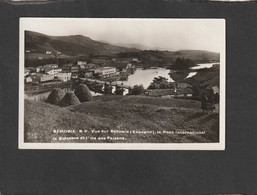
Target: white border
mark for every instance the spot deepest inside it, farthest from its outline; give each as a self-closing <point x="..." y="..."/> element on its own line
<point x="121" y="146"/>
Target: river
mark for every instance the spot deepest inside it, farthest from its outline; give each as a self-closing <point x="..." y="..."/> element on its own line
<point x="145" y="76"/>
<point x="201" y="66"/>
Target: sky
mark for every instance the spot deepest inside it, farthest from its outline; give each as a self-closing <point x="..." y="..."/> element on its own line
<point x="162" y="34"/>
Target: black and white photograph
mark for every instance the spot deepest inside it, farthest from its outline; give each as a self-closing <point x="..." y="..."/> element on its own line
<point x="122" y="84"/>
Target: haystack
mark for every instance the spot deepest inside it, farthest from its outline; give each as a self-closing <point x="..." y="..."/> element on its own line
<point x="69" y="99"/>
<point x="83" y="93"/>
<point x="55" y="96"/>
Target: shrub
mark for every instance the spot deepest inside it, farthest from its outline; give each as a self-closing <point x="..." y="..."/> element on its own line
<point x="159" y="83"/>
<point x="137" y="90"/>
<point x="55" y="96"/>
<point x="83" y="93"/>
<point x="68" y="100"/>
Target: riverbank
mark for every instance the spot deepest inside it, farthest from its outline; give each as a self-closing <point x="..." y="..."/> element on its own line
<point x="206" y="77"/>
<point x="176" y="120"/>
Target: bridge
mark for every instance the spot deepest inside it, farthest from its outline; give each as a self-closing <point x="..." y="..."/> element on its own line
<point x="105" y="82"/>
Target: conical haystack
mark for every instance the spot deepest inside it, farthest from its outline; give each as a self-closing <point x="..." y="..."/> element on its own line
<point x="55" y="96"/>
<point x="83" y="93"/>
<point x="69" y="99"/>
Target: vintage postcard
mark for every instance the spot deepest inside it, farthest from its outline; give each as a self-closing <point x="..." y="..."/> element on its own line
<point x="122" y="84"/>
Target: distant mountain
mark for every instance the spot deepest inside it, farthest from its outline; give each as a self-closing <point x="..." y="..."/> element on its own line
<point x="134" y="45"/>
<point x="73" y="45"/>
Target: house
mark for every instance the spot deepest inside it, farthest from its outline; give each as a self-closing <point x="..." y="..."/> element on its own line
<point x="89" y="74"/>
<point x="31" y="69"/>
<point x="46" y="77"/>
<point x="28" y="79"/>
<point x="80" y="63"/>
<point x="82" y="67"/>
<point x="50" y="66"/>
<point x="67" y="67"/>
<point x="41" y="68"/>
<point x="130" y="66"/>
<point x="134" y="60"/>
<point x="26" y="72"/>
<point x="71" y="68"/>
<point x="38" y="78"/>
<point x="75" y="72"/>
<point x="53" y="71"/>
<point x="74" y="76"/>
<point x="91" y="65"/>
<point x="46" y="66"/>
<point x="106" y="71"/>
<point x="38" y="69"/>
<point x="75" y="69"/>
<point x="64" y="76"/>
<point x="216" y="89"/>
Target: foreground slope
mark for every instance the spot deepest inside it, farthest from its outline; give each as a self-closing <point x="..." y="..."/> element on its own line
<point x="124" y="113"/>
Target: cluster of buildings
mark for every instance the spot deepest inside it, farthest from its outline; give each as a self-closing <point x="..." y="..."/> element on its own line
<point x="48" y="72"/>
<point x="101" y="67"/>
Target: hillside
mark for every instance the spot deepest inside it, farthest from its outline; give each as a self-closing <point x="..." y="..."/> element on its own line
<point x="73" y="45"/>
<point x="156" y="57"/>
<point x="198" y="55"/>
<point x="78" y="45"/>
<point x="124" y="113"/>
<point x="207" y="77"/>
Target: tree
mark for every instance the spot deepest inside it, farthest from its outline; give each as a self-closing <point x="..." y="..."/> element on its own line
<point x="137" y="90"/>
<point x="183" y="63"/>
<point x="159" y="80"/>
<point x="107" y="89"/>
<point x="181" y="69"/>
<point x="178" y="75"/>
<point x="119" y="90"/>
<point x="159" y="83"/>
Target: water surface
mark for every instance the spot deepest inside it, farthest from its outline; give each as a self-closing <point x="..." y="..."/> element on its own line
<point x="205" y="65"/>
<point x="145" y="76"/>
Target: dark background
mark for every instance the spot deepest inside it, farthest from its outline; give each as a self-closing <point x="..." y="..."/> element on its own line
<point x="136" y="172"/>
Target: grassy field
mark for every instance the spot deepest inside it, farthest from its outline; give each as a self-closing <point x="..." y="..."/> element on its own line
<point x="147" y="119"/>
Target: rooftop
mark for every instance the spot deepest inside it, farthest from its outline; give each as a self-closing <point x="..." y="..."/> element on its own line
<point x="105" y="68"/>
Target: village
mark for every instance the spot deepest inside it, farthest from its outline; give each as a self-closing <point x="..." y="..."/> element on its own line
<point x="105" y="74"/>
<point x="100" y="69"/>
